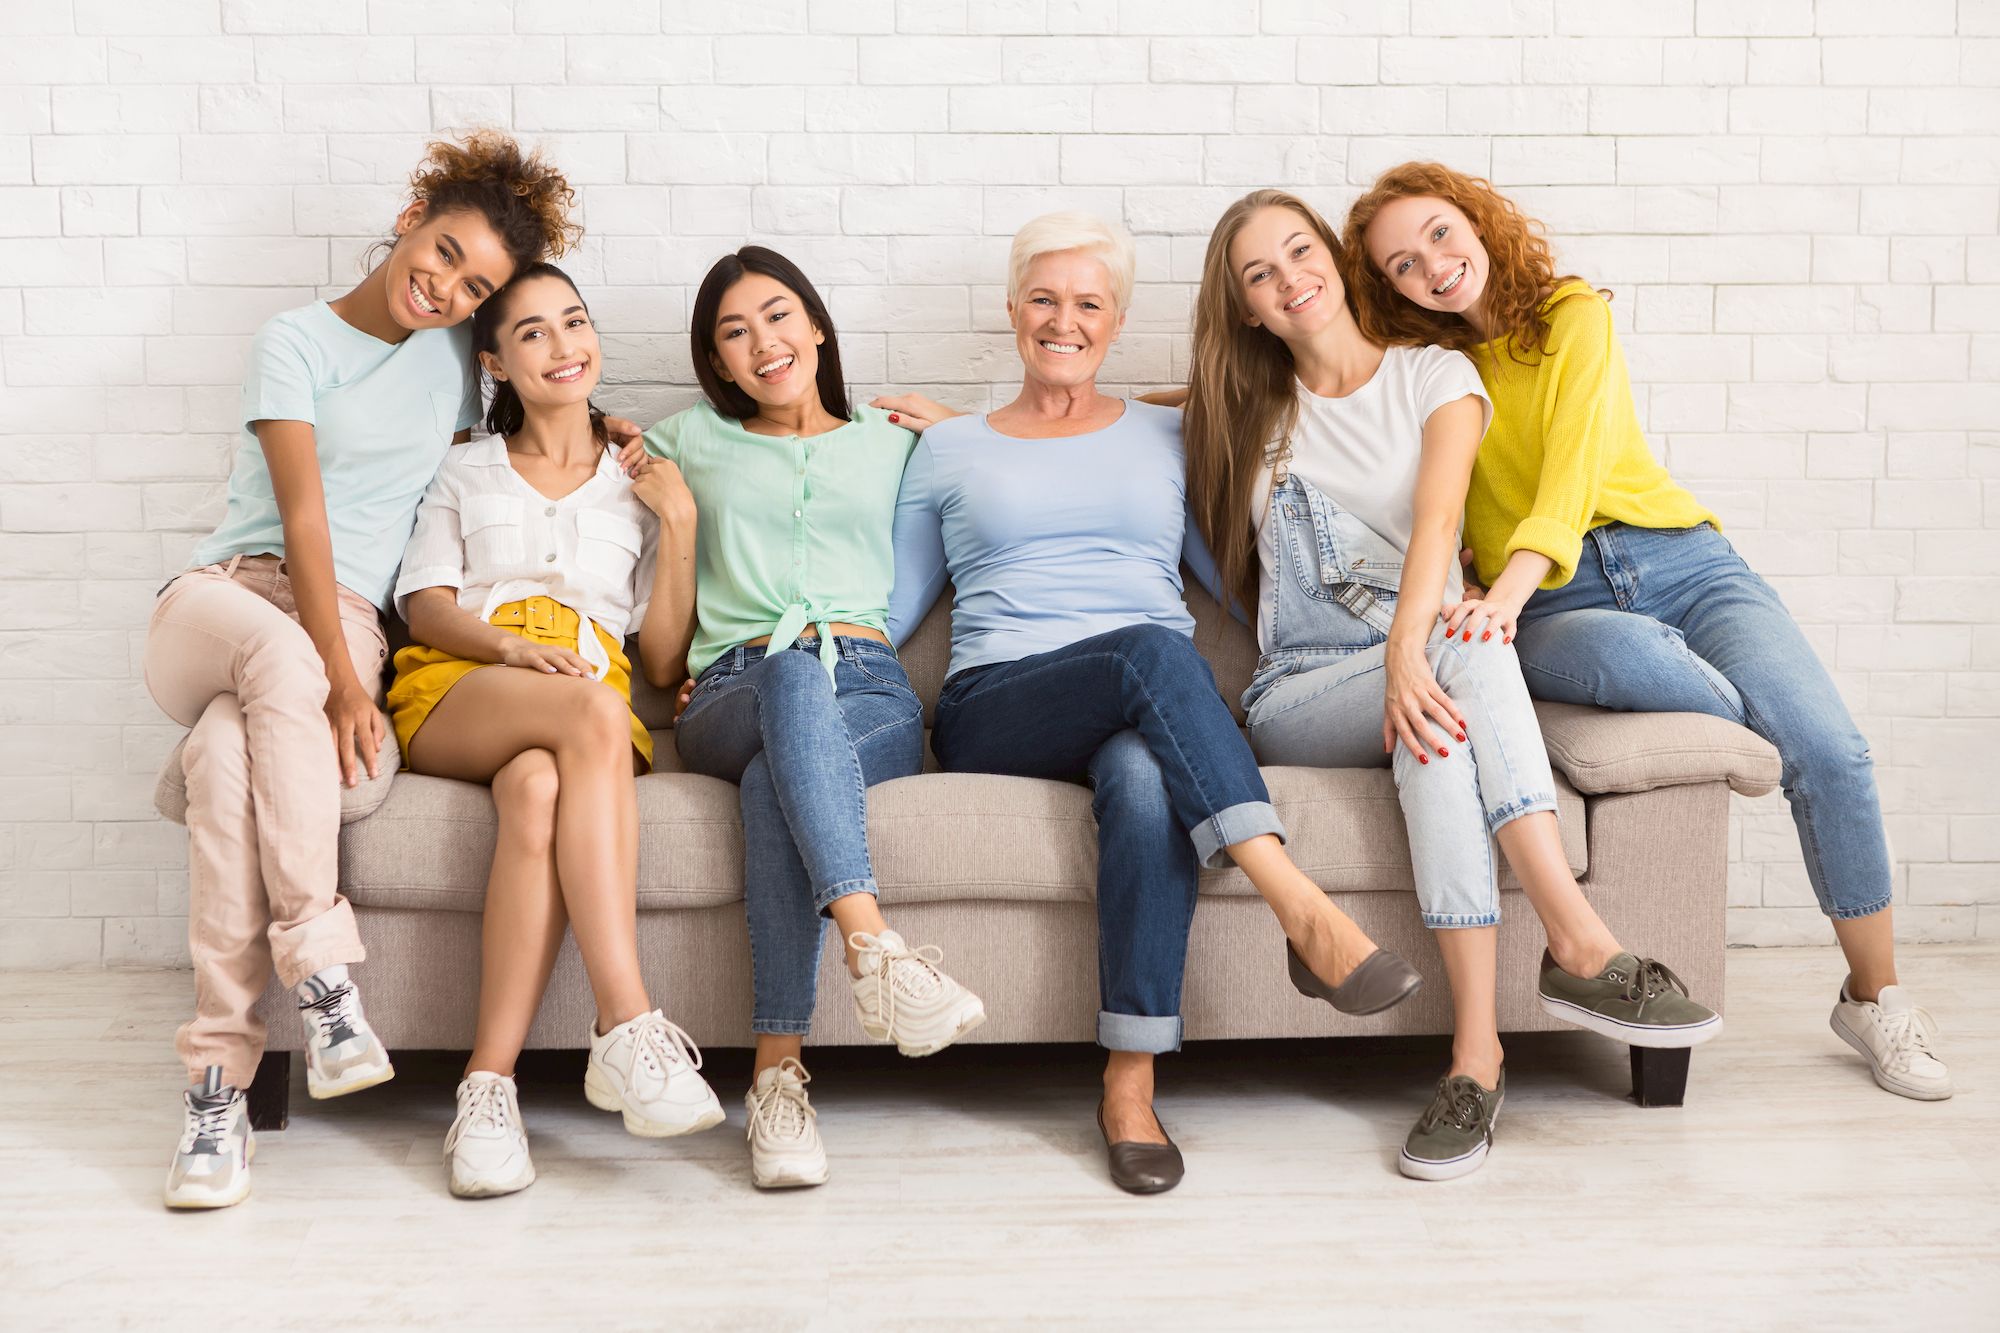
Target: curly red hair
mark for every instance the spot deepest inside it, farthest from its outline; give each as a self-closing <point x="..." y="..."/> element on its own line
<point x="525" y="198"/>
<point x="1520" y="277"/>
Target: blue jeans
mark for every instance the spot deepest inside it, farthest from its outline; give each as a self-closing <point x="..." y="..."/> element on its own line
<point x="804" y="749"/>
<point x="1672" y="620"/>
<point x="1135" y="712"/>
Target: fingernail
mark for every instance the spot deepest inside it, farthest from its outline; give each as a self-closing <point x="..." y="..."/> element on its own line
<point x="1443" y="753"/>
<point x="1461" y="735"/>
<point x="1468" y="636"/>
<point x="1506" y="639"/>
<point x="894" y="417"/>
<point x="1487" y="635"/>
<point x="1423" y="759"/>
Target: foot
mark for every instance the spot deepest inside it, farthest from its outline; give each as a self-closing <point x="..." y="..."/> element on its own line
<point x="646" y="1068"/>
<point x="1332" y="948"/>
<point x="343" y="1054"/>
<point x="1634" y="1000"/>
<point x="901" y="995"/>
<point x="487" y="1148"/>
<point x="211" y="1167"/>
<point x="1132" y="1120"/>
<point x="785" y="1148"/>
<point x="1453" y="1135"/>
<point x="1899" y="1041"/>
<point x="1141" y="1168"/>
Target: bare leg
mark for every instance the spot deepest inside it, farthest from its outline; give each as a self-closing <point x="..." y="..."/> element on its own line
<point x="856" y="913"/>
<point x="1471" y="962"/>
<point x="524" y="920"/>
<point x="1326" y="937"/>
<point x="1128" y="1099"/>
<point x="1579" y="940"/>
<point x="1870" y="945"/>
<point x="773" y="1047"/>
<point x="495" y="713"/>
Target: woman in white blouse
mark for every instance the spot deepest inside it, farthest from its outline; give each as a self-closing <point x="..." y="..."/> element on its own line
<point x="534" y="553"/>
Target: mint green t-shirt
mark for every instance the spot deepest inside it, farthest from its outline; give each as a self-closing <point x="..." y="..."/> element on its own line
<point x="382" y="415"/>
<point x="791" y="531"/>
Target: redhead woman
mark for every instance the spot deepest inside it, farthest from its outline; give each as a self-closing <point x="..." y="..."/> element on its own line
<point x="1622" y="588"/>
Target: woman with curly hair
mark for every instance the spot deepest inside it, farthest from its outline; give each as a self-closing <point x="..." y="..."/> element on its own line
<point x="1624" y="592"/>
<point x="270" y="646"/>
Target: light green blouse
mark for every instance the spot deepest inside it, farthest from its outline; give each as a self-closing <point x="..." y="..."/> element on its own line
<point x="792" y="531"/>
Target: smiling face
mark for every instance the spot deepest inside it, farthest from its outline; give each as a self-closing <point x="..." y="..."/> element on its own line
<point x="545" y="344"/>
<point x="1286" y="274"/>
<point x="1430" y="253"/>
<point x="765" y="342"/>
<point x="1064" y="318"/>
<point x="443" y="267"/>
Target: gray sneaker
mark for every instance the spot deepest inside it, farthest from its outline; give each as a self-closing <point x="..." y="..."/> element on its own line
<point x="1451" y="1137"/>
<point x="211" y="1167"/>
<point x="343" y="1054"/>
<point x="1634" y="1000"/>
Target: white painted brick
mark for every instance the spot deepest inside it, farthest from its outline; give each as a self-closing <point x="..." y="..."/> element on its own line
<point x="1519" y="110"/>
<point x="1959" y="160"/>
<point x="350" y="109"/>
<point x="1678" y="159"/>
<point x="1933" y="110"/>
<point x="902" y="210"/>
<point x="1728" y="259"/>
<point x="1554" y="160"/>
<point x="260" y="261"/>
<point x="1821" y="159"/>
<point x="1968" y="309"/>
<point x="1051" y="110"/>
<point x="790" y="60"/>
<point x="1089" y="60"/>
<point x="246" y="159"/>
<point x="628" y="60"/>
<point x="1892" y="309"/>
<point x="1721" y="18"/>
<point x="873" y="109"/>
<point x="100" y="210"/>
<point x="1679" y="111"/>
<point x="714" y="159"/>
<point x="81" y="361"/>
<point x="1672" y="358"/>
<point x="456" y="109"/>
<point x="1738" y="455"/>
<point x="180" y="60"/>
<point x="1799" y="111"/>
<point x="1369" y="157"/>
<point x="605" y="109"/>
<point x="1788" y="358"/>
<point x="50" y="944"/>
<point x="1276" y="110"/>
<point x="281" y="16"/>
<point x="1927" y="259"/>
<point x="1506" y="18"/>
<point x="1898" y="356"/>
<point x="106" y="159"/>
<point x="30" y="59"/>
<point x="795" y="208"/>
<point x="843" y="159"/>
<point x="214" y="210"/>
<point x="1330" y="60"/>
<point x="1874" y="553"/>
<point x="1783" y="308"/>
<point x="146" y="942"/>
<point x="317" y="59"/>
<point x="1282" y="160"/>
<point x="1923" y="61"/>
<point x="1704" y="61"/>
<point x="1933" y="407"/>
<point x="1787" y="208"/>
<point x="976" y="159"/>
<point x="1144" y="109"/>
<point x="109" y="110"/>
<point x="1929" y="209"/>
<point x="1144" y="159"/>
<point x="1593" y="60"/>
<point x="557" y="17"/>
<point x="1834" y="17"/>
<point x="1360" y="111"/>
<point x="43" y="262"/>
<point x="1435" y="61"/>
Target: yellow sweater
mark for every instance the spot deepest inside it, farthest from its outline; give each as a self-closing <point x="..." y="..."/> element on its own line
<point x="1565" y="452"/>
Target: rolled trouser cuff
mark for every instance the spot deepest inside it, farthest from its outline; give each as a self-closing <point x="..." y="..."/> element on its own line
<point x="1231" y="825"/>
<point x="1142" y="1033"/>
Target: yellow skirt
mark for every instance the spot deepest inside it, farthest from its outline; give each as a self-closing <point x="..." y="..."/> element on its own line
<point x="426" y="675"/>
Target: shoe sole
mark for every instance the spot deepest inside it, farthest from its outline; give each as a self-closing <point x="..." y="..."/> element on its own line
<point x="1632" y="1034"/>
<point x="1422" y="1168"/>
<point x="1883" y="1078"/>
<point x="478" y="1190"/>
<point x="599" y="1094"/>
<point x="966" y="1025"/>
<point x="789" y="1180"/>
<point x="199" y="1202"/>
<point x="320" y="1090"/>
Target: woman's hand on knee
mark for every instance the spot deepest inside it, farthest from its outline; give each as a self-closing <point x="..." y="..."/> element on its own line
<point x="543" y="657"/>
<point x="1411" y="700"/>
<point x="357" y="729"/>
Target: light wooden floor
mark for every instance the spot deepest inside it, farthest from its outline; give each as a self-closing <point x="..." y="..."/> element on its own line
<point x="969" y="1189"/>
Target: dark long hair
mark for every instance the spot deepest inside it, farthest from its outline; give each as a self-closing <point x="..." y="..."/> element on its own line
<point x="505" y="415"/>
<point x="730" y="399"/>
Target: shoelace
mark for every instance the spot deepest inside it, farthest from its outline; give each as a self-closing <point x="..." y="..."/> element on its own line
<point x="661" y="1043"/>
<point x="782" y="1107"/>
<point x="1652" y="978"/>
<point x="334" y="1014"/>
<point x="482" y="1103"/>
<point x="1462" y="1104"/>
<point x="209" y="1122"/>
<point x="920" y="981"/>
<point x="1910" y="1033"/>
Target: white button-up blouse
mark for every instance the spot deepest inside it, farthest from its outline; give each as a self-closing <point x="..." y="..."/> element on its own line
<point x="483" y="530"/>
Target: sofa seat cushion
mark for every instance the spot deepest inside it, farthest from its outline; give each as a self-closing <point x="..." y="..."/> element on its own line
<point x="356" y="802"/>
<point x="1604" y="752"/>
<point x="937" y="837"/>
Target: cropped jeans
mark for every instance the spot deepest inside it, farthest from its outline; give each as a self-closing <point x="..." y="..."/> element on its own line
<point x="1673" y="620"/>
<point x="1317" y="701"/>
<point x="804" y="749"/>
<point x="1135" y="713"/>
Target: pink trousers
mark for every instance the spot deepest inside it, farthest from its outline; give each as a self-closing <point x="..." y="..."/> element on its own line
<point x="227" y="657"/>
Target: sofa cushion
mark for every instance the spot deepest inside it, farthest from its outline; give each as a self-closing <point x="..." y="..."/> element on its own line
<point x="1602" y="751"/>
<point x="358" y="802"/>
<point x="938" y="837"/>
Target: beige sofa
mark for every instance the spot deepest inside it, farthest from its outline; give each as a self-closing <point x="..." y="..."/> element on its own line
<point x="999" y="872"/>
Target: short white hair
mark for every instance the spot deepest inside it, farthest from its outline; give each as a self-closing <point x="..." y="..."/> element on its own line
<point x="1052" y="233"/>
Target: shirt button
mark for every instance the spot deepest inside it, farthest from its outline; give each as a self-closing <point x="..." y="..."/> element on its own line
<point x="798" y="513"/>
<point x="550" y="558"/>
<point x="550" y="511"/>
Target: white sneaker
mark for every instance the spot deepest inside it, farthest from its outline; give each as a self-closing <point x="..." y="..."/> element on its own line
<point x="785" y="1149"/>
<point x="646" y="1067"/>
<point x="1896" y="1038"/>
<point x="211" y="1167"/>
<point x="343" y="1054"/>
<point x="902" y="996"/>
<point x="487" y="1148"/>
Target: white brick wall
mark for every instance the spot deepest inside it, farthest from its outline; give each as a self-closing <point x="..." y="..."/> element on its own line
<point x="1797" y="203"/>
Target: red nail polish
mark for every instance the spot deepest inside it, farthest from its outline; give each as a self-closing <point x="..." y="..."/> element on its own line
<point x="1506" y="638"/>
<point x="1468" y="636"/>
<point x="1487" y="635"/>
<point x="1423" y="759"/>
<point x="1461" y="735"/>
<point x="1443" y="753"/>
<point x="895" y="417"/>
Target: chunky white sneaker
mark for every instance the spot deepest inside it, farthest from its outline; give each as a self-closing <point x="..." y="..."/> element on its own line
<point x="1897" y="1039"/>
<point x="211" y="1167"/>
<point x="903" y="996"/>
<point x="487" y="1148"/>
<point x="343" y="1054"/>
<point x="785" y="1150"/>
<point x="645" y="1067"/>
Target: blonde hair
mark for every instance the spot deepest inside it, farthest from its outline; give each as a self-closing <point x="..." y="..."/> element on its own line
<point x="1053" y="233"/>
<point x="1241" y="395"/>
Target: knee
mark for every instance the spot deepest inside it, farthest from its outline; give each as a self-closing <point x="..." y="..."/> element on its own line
<point x="279" y="661"/>
<point x="1162" y="653"/>
<point x="1474" y="664"/>
<point x="794" y="670"/>
<point x="1129" y="781"/>
<point x="524" y="792"/>
<point x="599" y="719"/>
<point x="217" y="747"/>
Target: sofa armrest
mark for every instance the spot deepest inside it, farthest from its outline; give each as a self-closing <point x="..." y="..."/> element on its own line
<point x="358" y="802"/>
<point x="1601" y="751"/>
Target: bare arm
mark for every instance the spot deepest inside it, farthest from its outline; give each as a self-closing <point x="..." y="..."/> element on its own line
<point x="292" y="455"/>
<point x="669" y="626"/>
<point x="1166" y="397"/>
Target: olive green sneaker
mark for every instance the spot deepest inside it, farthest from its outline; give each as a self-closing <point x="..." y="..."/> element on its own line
<point x="1634" y="1000"/>
<point x="1452" y="1136"/>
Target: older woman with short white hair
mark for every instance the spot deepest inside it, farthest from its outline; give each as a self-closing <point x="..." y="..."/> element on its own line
<point x="1060" y="520"/>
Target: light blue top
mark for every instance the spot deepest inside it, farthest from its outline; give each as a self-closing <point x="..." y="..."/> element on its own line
<point x="382" y="415"/>
<point x="1046" y="542"/>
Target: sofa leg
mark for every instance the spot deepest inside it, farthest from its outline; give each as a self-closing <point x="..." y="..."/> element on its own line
<point x="1659" y="1077"/>
<point x="271" y="1092"/>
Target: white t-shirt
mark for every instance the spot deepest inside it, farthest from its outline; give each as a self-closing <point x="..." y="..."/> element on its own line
<point x="483" y="530"/>
<point x="1362" y="452"/>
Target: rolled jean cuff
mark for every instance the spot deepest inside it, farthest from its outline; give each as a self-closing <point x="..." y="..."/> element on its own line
<point x="1231" y="825"/>
<point x="1500" y="818"/>
<point x="1855" y="913"/>
<point x="1460" y="920"/>
<point x="824" y="898"/>
<point x="781" y="1027"/>
<point x="1143" y="1033"/>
